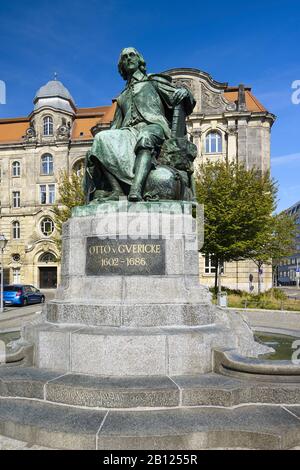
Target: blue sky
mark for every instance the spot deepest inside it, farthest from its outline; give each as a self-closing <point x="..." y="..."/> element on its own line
<point x="255" y="43"/>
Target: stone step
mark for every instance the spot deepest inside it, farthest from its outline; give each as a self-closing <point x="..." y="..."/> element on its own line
<point x="109" y="351"/>
<point x="147" y="392"/>
<point x="129" y="315"/>
<point x="65" y="427"/>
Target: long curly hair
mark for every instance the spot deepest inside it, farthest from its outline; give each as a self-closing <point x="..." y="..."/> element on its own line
<point x="142" y="63"/>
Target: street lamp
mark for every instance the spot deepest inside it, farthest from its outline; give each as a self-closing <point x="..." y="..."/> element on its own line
<point x="3" y="243"/>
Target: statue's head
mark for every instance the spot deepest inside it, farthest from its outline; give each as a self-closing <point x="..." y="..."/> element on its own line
<point x="130" y="60"/>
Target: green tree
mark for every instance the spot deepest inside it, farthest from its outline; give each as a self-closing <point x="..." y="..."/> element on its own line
<point x="238" y="206"/>
<point x="71" y="194"/>
<point x="277" y="243"/>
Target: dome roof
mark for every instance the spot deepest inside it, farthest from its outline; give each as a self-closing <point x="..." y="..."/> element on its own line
<point x="54" y="88"/>
<point x="55" y="95"/>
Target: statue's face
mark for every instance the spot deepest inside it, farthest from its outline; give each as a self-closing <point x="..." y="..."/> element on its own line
<point x="130" y="60"/>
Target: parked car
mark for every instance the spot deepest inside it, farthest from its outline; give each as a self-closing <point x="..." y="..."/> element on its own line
<point x="285" y="281"/>
<point x="20" y="294"/>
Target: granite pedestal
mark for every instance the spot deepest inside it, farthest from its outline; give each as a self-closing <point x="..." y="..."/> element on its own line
<point x="129" y="302"/>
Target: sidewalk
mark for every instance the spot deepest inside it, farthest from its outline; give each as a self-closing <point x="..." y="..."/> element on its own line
<point x="271" y="318"/>
<point x="14" y="318"/>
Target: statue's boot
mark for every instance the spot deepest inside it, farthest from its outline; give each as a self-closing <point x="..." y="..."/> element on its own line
<point x="113" y="196"/>
<point x="143" y="165"/>
<point x="117" y="191"/>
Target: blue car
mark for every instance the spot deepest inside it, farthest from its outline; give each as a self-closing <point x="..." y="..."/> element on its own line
<point x="20" y="294"/>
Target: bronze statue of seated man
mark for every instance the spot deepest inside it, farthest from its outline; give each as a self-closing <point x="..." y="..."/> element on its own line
<point x="127" y="152"/>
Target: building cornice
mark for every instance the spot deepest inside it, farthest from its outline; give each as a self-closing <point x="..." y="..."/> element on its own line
<point x="50" y="108"/>
<point x="199" y="74"/>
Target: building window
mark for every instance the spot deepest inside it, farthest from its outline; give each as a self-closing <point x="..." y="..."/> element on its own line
<point x="16" y="257"/>
<point x="16" y="276"/>
<point x="213" y="143"/>
<point x="16" y="169"/>
<point x="43" y="194"/>
<point x="210" y="265"/>
<point x="47" y="193"/>
<point x="47" y="164"/>
<point x="48" y="125"/>
<point x="47" y="258"/>
<point x="16" y="230"/>
<point x="79" y="167"/>
<point x="51" y="193"/>
<point x="16" y="199"/>
<point x="47" y="226"/>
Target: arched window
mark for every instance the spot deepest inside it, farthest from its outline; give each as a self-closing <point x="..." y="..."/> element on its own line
<point x="47" y="164"/>
<point x="78" y="167"/>
<point x="47" y="226"/>
<point x="16" y="169"/>
<point x="16" y="230"/>
<point x="47" y="258"/>
<point x="48" y="125"/>
<point x="213" y="143"/>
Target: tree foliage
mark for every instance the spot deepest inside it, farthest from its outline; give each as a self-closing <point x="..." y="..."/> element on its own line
<point x="71" y="194"/>
<point x="279" y="242"/>
<point x="238" y="206"/>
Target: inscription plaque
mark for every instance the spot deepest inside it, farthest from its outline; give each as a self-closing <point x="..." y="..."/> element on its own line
<point x="125" y="257"/>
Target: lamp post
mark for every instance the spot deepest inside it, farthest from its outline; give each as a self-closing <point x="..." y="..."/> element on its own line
<point x="3" y="243"/>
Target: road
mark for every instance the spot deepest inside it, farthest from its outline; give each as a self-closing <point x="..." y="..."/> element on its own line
<point x="14" y="317"/>
<point x="291" y="291"/>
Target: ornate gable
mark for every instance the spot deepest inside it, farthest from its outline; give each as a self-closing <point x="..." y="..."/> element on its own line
<point x="208" y="93"/>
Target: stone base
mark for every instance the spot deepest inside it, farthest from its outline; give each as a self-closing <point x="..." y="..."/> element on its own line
<point x="137" y="351"/>
<point x="126" y="352"/>
<point x="131" y="322"/>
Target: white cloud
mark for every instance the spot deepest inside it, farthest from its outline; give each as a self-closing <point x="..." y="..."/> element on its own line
<point x="286" y="159"/>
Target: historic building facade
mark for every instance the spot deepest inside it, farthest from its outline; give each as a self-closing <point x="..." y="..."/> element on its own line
<point x="288" y="271"/>
<point x="227" y="123"/>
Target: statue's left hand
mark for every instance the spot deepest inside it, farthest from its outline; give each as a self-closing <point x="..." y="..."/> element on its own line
<point x="179" y="95"/>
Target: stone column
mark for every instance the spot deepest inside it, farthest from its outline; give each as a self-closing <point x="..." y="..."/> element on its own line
<point x="242" y="151"/>
<point x="232" y="142"/>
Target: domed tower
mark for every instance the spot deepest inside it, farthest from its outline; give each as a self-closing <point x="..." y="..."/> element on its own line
<point x="54" y="95"/>
<point x="53" y="114"/>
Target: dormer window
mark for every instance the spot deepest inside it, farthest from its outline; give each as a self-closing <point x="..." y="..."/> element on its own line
<point x="48" y="125"/>
<point x="213" y="143"/>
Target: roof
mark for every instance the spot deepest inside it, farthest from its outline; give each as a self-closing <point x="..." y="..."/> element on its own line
<point x="53" y="88"/>
<point x="294" y="208"/>
<point x="252" y="103"/>
<point x="12" y="130"/>
<point x="86" y="118"/>
<point x="55" y="95"/>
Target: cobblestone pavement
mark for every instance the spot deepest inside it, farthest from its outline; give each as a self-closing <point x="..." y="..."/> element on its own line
<point x="12" y="444"/>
